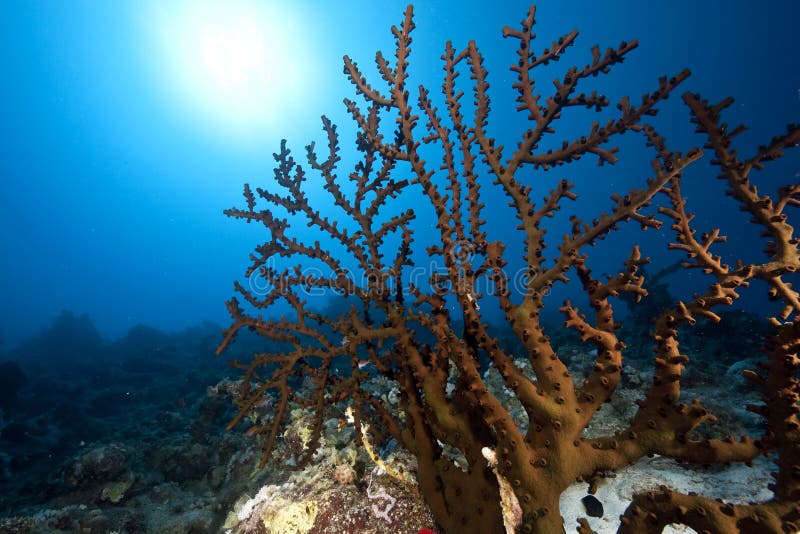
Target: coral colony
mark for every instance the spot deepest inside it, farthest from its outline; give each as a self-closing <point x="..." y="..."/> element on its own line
<point x="431" y="342"/>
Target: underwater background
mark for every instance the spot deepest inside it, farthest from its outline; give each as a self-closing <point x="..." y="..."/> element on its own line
<point x="126" y="128"/>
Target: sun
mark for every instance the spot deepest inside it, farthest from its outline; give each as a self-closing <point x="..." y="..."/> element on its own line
<point x="236" y="63"/>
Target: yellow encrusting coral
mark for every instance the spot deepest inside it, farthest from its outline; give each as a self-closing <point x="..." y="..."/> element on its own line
<point x="290" y="517"/>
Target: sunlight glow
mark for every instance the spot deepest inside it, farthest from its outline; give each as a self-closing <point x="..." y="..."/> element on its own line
<point x="238" y="63"/>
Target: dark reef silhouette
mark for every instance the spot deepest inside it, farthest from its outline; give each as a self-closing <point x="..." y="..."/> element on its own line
<point x="83" y="417"/>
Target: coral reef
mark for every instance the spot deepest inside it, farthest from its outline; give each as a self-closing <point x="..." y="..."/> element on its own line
<point x="82" y="451"/>
<point x="431" y="341"/>
<point x="68" y="463"/>
<point x="324" y="498"/>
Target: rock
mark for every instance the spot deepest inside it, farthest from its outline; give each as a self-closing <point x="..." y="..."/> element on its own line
<point x="100" y="465"/>
<point x="594" y="508"/>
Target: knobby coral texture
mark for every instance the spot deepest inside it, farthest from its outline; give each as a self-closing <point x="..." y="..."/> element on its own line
<point x="431" y="339"/>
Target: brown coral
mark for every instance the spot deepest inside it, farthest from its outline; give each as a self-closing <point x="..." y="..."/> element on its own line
<point x="411" y="336"/>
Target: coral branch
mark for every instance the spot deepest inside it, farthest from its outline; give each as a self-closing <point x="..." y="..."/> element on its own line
<point x="429" y="335"/>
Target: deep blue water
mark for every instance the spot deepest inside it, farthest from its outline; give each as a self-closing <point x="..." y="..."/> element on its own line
<point x="126" y="128"/>
<point x="114" y="177"/>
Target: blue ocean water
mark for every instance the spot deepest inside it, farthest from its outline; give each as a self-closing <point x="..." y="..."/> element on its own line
<point x="128" y="127"/>
<point x="114" y="181"/>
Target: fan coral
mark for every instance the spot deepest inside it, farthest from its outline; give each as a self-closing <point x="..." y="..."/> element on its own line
<point x="432" y="338"/>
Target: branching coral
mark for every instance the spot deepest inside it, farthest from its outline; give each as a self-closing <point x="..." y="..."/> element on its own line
<point x="778" y="378"/>
<point x="408" y="334"/>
